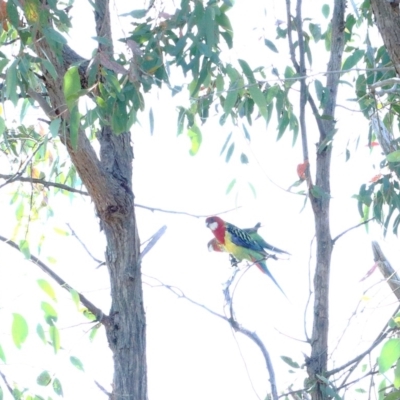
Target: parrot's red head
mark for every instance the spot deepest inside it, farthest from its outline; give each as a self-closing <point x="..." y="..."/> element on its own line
<point x="214" y="245"/>
<point x="217" y="226"/>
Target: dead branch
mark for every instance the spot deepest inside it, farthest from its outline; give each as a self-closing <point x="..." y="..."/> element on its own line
<point x="152" y="241"/>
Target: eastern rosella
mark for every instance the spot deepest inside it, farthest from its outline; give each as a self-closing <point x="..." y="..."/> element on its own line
<point x="214" y="245"/>
<point x="239" y="244"/>
<point x="253" y="232"/>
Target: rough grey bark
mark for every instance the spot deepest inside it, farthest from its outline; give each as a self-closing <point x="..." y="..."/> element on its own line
<point x="109" y="183"/>
<point x="387" y="17"/>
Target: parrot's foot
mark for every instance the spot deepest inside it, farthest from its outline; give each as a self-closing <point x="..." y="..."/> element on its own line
<point x="234" y="262"/>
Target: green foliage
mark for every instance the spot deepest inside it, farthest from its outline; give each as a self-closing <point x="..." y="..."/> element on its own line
<point x="57" y="387"/>
<point x="41" y="334"/>
<point x="54" y="338"/>
<point x="2" y="355"/>
<point x="24" y="247"/>
<point x="47" y="288"/>
<point x="44" y="379"/>
<point x="390" y="353"/>
<point x="394" y="156"/>
<point x="19" y="330"/>
<point x="50" y="314"/>
<point x="76" y="363"/>
<point x="381" y="199"/>
<point x="72" y="87"/>
<point x="195" y="137"/>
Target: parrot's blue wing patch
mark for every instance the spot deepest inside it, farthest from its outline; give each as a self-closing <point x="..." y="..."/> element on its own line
<point x="243" y="239"/>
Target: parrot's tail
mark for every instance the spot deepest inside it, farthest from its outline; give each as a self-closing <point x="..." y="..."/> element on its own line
<point x="261" y="264"/>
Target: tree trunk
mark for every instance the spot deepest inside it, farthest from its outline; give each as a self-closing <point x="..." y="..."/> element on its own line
<point x="109" y="183"/>
<point x="387" y="17"/>
<point x="317" y="363"/>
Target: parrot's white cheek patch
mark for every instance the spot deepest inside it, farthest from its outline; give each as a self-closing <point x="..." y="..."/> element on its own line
<point x="213" y="226"/>
<point x="210" y="248"/>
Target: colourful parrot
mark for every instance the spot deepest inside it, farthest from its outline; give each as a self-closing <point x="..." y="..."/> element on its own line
<point x="214" y="245"/>
<point x="253" y="232"/>
<point x="239" y="244"/>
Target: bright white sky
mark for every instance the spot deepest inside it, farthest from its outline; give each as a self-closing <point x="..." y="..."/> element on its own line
<point x="191" y="354"/>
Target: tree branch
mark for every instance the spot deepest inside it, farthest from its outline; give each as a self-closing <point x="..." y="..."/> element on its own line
<point x="353" y="227"/>
<point x="357" y="359"/>
<point x="184" y="212"/>
<point x="7" y="384"/>
<point x="14" y="178"/>
<point x="384" y="332"/>
<point x="317" y="362"/>
<point x="100" y="316"/>
<point x="290" y="39"/>
<point x="303" y="94"/>
<point x="252" y="336"/>
<point x="48" y="184"/>
<point x="73" y="233"/>
<point x="18" y="175"/>
<point x="358" y="380"/>
<point x="386" y="269"/>
<point x="232" y="322"/>
<point x="181" y="295"/>
<point x="152" y="241"/>
<point x="44" y="105"/>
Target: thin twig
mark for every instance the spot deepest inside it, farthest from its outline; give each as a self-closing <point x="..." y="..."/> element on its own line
<point x="100" y="316"/>
<point x="73" y="233"/>
<point x="318" y="119"/>
<point x="184" y="212"/>
<point x="299" y="394"/>
<point x="304" y="94"/>
<point x="357" y="359"/>
<point x="353" y="227"/>
<point x="102" y="388"/>
<point x="353" y="315"/>
<point x="10" y="42"/>
<point x="390" y="81"/>
<point x="22" y="169"/>
<point x="383" y="331"/>
<point x="13" y="178"/>
<point x="181" y="295"/>
<point x="292" y="337"/>
<point x="253" y="337"/>
<point x="372" y="373"/>
<point x="232" y="322"/>
<point x="290" y="40"/>
<point x="16" y="177"/>
<point x="310" y="293"/>
<point x="6" y="383"/>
